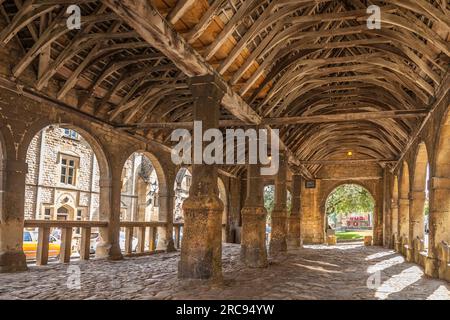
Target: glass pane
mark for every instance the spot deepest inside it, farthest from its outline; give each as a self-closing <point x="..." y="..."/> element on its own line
<point x="64" y="161"/>
<point x="69" y="180"/>
<point x="72" y="163"/>
<point x="71" y="172"/>
<point x="63" y="170"/>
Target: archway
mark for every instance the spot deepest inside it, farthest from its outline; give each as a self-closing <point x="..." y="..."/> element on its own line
<point x="439" y="217"/>
<point x="65" y="164"/>
<point x="394" y="213"/>
<point x="269" y="204"/>
<point x="182" y="186"/>
<point x="419" y="197"/>
<point x="403" y="208"/>
<point x="142" y="179"/>
<point x="349" y="211"/>
<point x="223" y="196"/>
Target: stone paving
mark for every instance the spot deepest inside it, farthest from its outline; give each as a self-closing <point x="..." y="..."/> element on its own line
<point x="345" y="271"/>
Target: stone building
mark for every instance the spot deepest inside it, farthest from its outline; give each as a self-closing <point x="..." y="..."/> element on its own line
<point x="352" y="102"/>
<point x="63" y="179"/>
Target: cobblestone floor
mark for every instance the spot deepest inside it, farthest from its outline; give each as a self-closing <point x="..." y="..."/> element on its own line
<point x="315" y="272"/>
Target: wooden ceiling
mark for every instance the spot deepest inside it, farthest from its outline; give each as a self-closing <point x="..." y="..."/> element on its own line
<point x="311" y="68"/>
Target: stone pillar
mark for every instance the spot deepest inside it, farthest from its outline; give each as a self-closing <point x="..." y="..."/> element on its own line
<point x="12" y="257"/>
<point x="165" y="234"/>
<point x="403" y="224"/>
<point x="201" y="249"/>
<point x="278" y="239"/>
<point x="294" y="235"/>
<point x="387" y="192"/>
<point x="416" y="217"/>
<point x="110" y="203"/>
<point x="394" y="224"/>
<point x="253" y="241"/>
<point x="439" y="224"/>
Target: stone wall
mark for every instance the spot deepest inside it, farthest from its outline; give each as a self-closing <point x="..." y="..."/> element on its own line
<point x="330" y="177"/>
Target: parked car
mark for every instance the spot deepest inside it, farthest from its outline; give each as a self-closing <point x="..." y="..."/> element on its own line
<point x="95" y="240"/>
<point x="30" y="243"/>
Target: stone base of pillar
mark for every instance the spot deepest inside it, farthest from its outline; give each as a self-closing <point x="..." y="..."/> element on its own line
<point x="165" y="241"/>
<point x="431" y="267"/>
<point x="12" y="262"/>
<point x="253" y="242"/>
<point x="108" y="251"/>
<point x="294" y="238"/>
<point x="201" y="248"/>
<point x="278" y="237"/>
<point x="409" y="253"/>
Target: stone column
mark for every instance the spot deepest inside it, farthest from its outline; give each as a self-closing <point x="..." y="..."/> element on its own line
<point x="110" y="202"/>
<point x="394" y="224"/>
<point x="294" y="236"/>
<point x="416" y="217"/>
<point x="403" y="224"/>
<point x="165" y="234"/>
<point x="253" y="241"/>
<point x="439" y="224"/>
<point x="201" y="249"/>
<point x="278" y="239"/>
<point x="12" y="257"/>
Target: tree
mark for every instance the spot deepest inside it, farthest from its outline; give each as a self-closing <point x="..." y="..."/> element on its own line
<point x="349" y="198"/>
<point x="269" y="200"/>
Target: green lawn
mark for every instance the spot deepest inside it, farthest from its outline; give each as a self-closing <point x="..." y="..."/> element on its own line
<point x="352" y="235"/>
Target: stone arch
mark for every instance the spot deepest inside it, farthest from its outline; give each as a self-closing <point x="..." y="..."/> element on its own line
<point x="394" y="212"/>
<point x="330" y="188"/>
<point x="82" y="129"/>
<point x="403" y="208"/>
<point x="418" y="194"/>
<point x="439" y="218"/>
<point x="98" y="150"/>
<point x="223" y="195"/>
<point x="181" y="193"/>
<point x="157" y="165"/>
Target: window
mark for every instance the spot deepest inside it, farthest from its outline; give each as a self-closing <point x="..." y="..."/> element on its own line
<point x="72" y="134"/>
<point x="62" y="214"/>
<point x="47" y="213"/>
<point x="68" y="170"/>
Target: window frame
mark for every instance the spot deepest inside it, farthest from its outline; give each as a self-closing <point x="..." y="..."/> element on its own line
<point x="66" y="166"/>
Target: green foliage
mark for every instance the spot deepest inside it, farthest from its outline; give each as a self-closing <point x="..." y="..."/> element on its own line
<point x="269" y="200"/>
<point x="349" y="198"/>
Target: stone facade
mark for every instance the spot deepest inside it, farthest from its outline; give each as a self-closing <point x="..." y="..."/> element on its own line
<point x="48" y="197"/>
<point x="45" y="193"/>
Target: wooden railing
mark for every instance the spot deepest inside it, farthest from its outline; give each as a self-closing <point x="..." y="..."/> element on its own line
<point x="66" y="227"/>
<point x="130" y="227"/>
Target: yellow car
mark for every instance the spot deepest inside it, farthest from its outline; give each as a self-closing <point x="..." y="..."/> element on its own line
<point x="30" y="243"/>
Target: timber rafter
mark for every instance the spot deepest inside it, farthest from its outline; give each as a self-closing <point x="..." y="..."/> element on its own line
<point x="288" y="64"/>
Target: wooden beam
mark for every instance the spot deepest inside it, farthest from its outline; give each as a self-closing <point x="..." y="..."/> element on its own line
<point x="154" y="29"/>
<point x="326" y="118"/>
<point x="345" y="162"/>
<point x="180" y="9"/>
